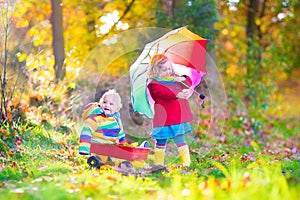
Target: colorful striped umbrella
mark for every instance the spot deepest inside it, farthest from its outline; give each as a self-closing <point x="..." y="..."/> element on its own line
<point x="187" y="52"/>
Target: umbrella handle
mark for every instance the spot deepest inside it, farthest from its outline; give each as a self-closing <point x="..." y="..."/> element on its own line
<point x="201" y="96"/>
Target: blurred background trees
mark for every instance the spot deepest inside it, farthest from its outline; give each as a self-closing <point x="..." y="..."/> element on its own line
<point x="254" y="43"/>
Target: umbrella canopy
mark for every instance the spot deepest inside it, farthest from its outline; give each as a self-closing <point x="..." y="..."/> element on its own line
<point x="187" y="52"/>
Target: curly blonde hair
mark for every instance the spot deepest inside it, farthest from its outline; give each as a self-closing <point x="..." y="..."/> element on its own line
<point x="156" y="62"/>
<point x="115" y="96"/>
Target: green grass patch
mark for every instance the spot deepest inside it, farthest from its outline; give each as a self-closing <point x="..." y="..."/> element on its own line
<point x="46" y="165"/>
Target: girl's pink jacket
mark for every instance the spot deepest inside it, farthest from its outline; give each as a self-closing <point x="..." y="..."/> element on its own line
<point x="168" y="110"/>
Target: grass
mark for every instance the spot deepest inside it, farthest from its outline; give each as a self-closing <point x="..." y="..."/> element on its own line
<point x="252" y="183"/>
<point x="46" y="166"/>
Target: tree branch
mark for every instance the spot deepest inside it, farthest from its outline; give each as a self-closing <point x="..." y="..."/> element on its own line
<point x="113" y="28"/>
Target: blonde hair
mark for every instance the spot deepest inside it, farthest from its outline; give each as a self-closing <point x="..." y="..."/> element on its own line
<point x="116" y="98"/>
<point x="156" y="62"/>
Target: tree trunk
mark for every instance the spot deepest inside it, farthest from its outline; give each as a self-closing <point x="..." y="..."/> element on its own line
<point x="58" y="39"/>
<point x="253" y="55"/>
<point x="252" y="11"/>
<point x="3" y="74"/>
<point x="171" y="5"/>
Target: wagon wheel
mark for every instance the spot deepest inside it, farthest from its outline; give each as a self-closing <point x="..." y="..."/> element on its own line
<point x="94" y="162"/>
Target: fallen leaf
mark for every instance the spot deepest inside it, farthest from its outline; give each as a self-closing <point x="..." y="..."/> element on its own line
<point x="43" y="168"/>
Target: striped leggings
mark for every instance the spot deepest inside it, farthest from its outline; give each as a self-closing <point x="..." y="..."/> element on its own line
<point x="179" y="141"/>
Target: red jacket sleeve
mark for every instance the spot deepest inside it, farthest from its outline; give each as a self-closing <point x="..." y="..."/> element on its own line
<point x="157" y="90"/>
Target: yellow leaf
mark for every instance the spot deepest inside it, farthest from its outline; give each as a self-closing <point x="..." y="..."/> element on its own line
<point x="37" y="43"/>
<point x="135" y="144"/>
<point x="72" y="85"/>
<point x="233" y="33"/>
<point x="15" y="102"/>
<point x="231" y="70"/>
<point x="21" y="56"/>
<point x="255" y="146"/>
<point x="224" y="31"/>
<point x="264" y="28"/>
<point x="22" y="23"/>
<point x="258" y="22"/>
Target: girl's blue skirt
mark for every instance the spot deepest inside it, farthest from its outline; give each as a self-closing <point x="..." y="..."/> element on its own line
<point x="167" y="132"/>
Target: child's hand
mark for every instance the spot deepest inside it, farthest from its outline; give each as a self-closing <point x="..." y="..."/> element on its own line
<point x="184" y="94"/>
<point x="179" y="79"/>
<point x="187" y="92"/>
<point x="180" y="95"/>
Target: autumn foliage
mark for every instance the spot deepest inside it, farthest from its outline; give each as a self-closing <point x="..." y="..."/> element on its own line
<point x="249" y="150"/>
